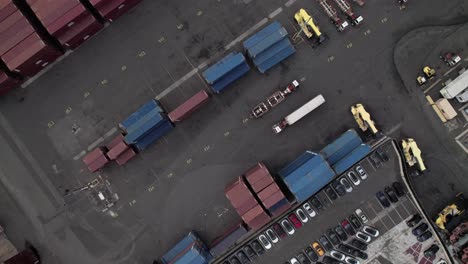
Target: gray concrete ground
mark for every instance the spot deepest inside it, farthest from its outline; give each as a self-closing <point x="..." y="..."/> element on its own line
<point x="164" y="191"/>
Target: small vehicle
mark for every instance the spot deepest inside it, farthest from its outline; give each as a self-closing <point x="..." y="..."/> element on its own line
<point x="330" y="193"/>
<point x="341" y="233"/>
<point x="311" y="212"/>
<point x="361" y="215"/>
<point x="303" y="259"/>
<point x="351" y="260"/>
<point x="383" y="156"/>
<point x="275" y="99"/>
<point x="272" y="236"/>
<point x="302" y="216"/>
<point x="325" y="243"/>
<point x="359" y="254"/>
<point x="391" y="194"/>
<point x="382" y="199"/>
<point x="344" y="181"/>
<point x="421" y="228"/>
<point x="316" y="246"/>
<point x="316" y="202"/>
<point x="291" y="87"/>
<point x="259" y="110"/>
<point x="264" y="241"/>
<point x="339" y="188"/>
<point x="294" y="261"/>
<point x="359" y="245"/>
<point x="330" y="260"/>
<point x="257" y="247"/>
<point x="353" y="178"/>
<point x="311" y="254"/>
<point x="243" y="258"/>
<point x="332" y="237"/>
<point x="322" y="196"/>
<point x="425" y="236"/>
<point x="451" y="59"/>
<point x="371" y="231"/>
<point x="279" y="230"/>
<point x="352" y="251"/>
<point x="362" y="173"/>
<point x="347" y="227"/>
<point x="337" y="255"/>
<point x="295" y="221"/>
<point x="399" y="189"/>
<point x="431" y="251"/>
<point x="234" y="260"/>
<point x="249" y="252"/>
<point x="363" y="237"/>
<point x="354" y="221"/>
<point x="414" y="220"/>
<point x="287" y="226"/>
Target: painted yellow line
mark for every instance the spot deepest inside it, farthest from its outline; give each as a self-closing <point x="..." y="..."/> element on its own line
<point x="104" y="82"/>
<point x="227" y="133"/>
<point x="161" y="40"/>
<point x="51" y="124"/>
<point x="349" y="45"/>
<point x="86" y="94"/>
<point x="68" y="110"/>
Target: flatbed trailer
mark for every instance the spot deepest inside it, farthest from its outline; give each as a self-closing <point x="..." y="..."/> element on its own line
<point x="346" y="8"/>
<point x="330" y="11"/>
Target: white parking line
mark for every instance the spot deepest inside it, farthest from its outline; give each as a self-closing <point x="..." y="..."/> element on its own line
<point x="275" y="13"/>
<point x="432" y="86"/>
<point x="176" y="84"/>
<point x="79" y="155"/>
<point x="95" y="143"/>
<point x="246" y="33"/>
<point x="289" y="3"/>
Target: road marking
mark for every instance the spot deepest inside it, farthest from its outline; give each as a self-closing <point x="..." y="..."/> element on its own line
<point x="199" y="13"/>
<point x="170" y="175"/>
<point x="206" y="148"/>
<point x="225" y="210"/>
<point x="86" y="94"/>
<point x="189" y="161"/>
<point x="161" y="40"/>
<point x="227" y="133"/>
<point x="68" y="110"/>
<point x="176" y="84"/>
<point x="151" y="188"/>
<point x="331" y="58"/>
<point x="302" y="79"/>
<point x="275" y="13"/>
<point x="245" y="120"/>
<point x="367" y="32"/>
<point x="79" y="155"/>
<point x="51" y="124"/>
<point x="95" y="143"/>
<point x="432" y="86"/>
<point x="104" y="82"/>
<point x="289" y="3"/>
<point x="132" y="202"/>
<point x="110" y="132"/>
<point x="123" y="68"/>
<point x="449" y="71"/>
<point x="142" y="54"/>
<point x="394" y="128"/>
<point x="384" y="20"/>
<point x="180" y="26"/>
<point x="349" y="45"/>
<point x="246" y="33"/>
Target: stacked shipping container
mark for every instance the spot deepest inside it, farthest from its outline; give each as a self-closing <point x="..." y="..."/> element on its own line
<point x="227" y="240"/>
<point x="190" y="250"/>
<point x="352" y="158"/>
<point x="96" y="159"/>
<point x="226" y="71"/>
<point x="189" y="106"/>
<point x="269" y="46"/>
<point x="119" y="150"/>
<point x="7" y="83"/>
<point x="113" y="9"/>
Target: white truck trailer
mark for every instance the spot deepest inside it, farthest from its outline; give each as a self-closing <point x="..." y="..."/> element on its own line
<point x="457" y="86"/>
<point x="299" y="113"/>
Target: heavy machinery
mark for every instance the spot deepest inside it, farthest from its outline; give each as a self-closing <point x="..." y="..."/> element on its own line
<point x="412" y="154"/>
<point x="363" y="118"/>
<point x="306" y="22"/>
<point x="455" y="208"/>
<point x="451" y="59"/>
<point x="345" y="7"/>
<point x="429" y="74"/>
<point x="333" y="15"/>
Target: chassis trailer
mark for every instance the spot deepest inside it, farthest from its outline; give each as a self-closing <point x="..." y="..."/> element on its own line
<point x="345" y="7"/>
<point x="333" y="15"/>
<point x="299" y="113"/>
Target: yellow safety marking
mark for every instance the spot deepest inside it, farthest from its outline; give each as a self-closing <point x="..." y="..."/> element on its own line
<point x="402" y="7"/>
<point x="104" y="82"/>
<point x="206" y="148"/>
<point x="227" y="133"/>
<point x="180" y="26"/>
<point x="245" y="120"/>
<point x="68" y="110"/>
<point x="367" y="32"/>
<point x="123" y="68"/>
<point x="133" y="202"/>
<point x="384" y="20"/>
<point x="86" y="94"/>
<point x="189" y="161"/>
<point x="51" y="124"/>
<point x="331" y="58"/>
<point x="199" y="13"/>
<point x="162" y="40"/>
<point x="141" y="54"/>
<point x="349" y="45"/>
<point x="170" y="175"/>
<point x="151" y="188"/>
<point x="113" y="214"/>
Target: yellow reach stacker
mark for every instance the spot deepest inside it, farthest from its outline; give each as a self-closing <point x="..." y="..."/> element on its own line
<point x="412" y="154"/>
<point x="363" y="118"/>
<point x="457" y="207"/>
<point x="310" y="29"/>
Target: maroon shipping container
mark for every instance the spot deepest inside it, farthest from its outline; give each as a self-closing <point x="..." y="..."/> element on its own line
<point x="13" y="30"/>
<point x="126" y="156"/>
<point x="273" y="199"/>
<point x="256" y="217"/>
<point x="115" y="141"/>
<point x="268" y="191"/>
<point x="117" y="150"/>
<point x="81" y="32"/>
<point x="279" y="208"/>
<point x="237" y="192"/>
<point x="30" y="56"/>
<point x="114" y="9"/>
<point x="50" y="10"/>
<point x="189" y="106"/>
<point x="6" y="9"/>
<point x="98" y="164"/>
<point x="7" y="83"/>
<point x="258" y="177"/>
<point x="246" y="206"/>
<point x="67" y="21"/>
<point x="93" y="155"/>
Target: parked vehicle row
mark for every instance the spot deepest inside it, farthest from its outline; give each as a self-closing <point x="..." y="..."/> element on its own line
<point x="390" y="194"/>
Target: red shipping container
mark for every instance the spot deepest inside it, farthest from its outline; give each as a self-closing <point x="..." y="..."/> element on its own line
<point x="6" y="9"/>
<point x="7" y="83"/>
<point x="81" y="32"/>
<point x="189" y="106"/>
<point x="258" y="177"/>
<point x="50" y="10"/>
<point x="98" y="164"/>
<point x="126" y="156"/>
<point x="115" y="141"/>
<point x="111" y="10"/>
<point x="67" y="21"/>
<point x="237" y="192"/>
<point x="30" y="56"/>
<point x="256" y="217"/>
<point x="268" y="191"/>
<point x="13" y="30"/>
<point x="273" y="199"/>
<point x="93" y="155"/>
<point x="117" y="150"/>
<point x="246" y="206"/>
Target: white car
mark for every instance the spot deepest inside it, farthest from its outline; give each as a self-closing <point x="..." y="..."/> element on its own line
<point x="272" y="236"/>
<point x="353" y="178"/>
<point x="371" y="231"/>
<point x="311" y="212"/>
<point x="287" y="226"/>
<point x="346" y="184"/>
<point x="363" y="237"/>
<point x="337" y="255"/>
<point x="294" y="261"/>
<point x="264" y="241"/>
<point x="351" y="260"/>
<point x="361" y="215"/>
<point x="362" y="173"/>
<point x="302" y="216"/>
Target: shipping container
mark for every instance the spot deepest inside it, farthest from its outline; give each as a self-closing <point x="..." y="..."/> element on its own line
<point x="279" y="208"/>
<point x="193" y="255"/>
<point x="291" y="167"/>
<point x="231" y="77"/>
<point x="142" y="111"/>
<point x="277" y="58"/>
<point x="7" y="83"/>
<point x="93" y="155"/>
<point x="244" y="206"/>
<point x="146" y="123"/>
<point x="268" y="191"/>
<point x="98" y="164"/>
<point x="272" y="51"/>
<point x="258" y="177"/>
<point x="153" y="135"/>
<point x="261" y="35"/>
<point x="125" y="156"/>
<point x="227" y="240"/>
<point x="48" y="11"/>
<point x="237" y="192"/>
<point x="117" y="150"/>
<point x="67" y="21"/>
<point x="352" y="158"/>
<point x="189" y="106"/>
<point x="183" y="245"/>
<point x="256" y="217"/>
<point x="267" y="42"/>
<point x="111" y="10"/>
<point x="77" y="35"/>
<point x="215" y="72"/>
<point x="273" y="199"/>
<point x="6" y="9"/>
<point x="119" y="138"/>
<point x="341" y="146"/>
<point x="13" y="30"/>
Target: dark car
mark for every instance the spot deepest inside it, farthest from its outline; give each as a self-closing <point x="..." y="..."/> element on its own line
<point x="259" y="250"/>
<point x="303" y="259"/>
<point x="359" y="254"/>
<point x="330" y="260"/>
<point x="354" y="221"/>
<point x="341" y="233"/>
<point x="375" y="160"/>
<point x="414" y="220"/>
<point x="325" y="243"/>
<point x="249" y="252"/>
<point x="399" y="189"/>
<point x="311" y="254"/>
<point x="339" y="188"/>
<point x="352" y="251"/>
<point x="421" y="228"/>
<point x="316" y="203"/>
<point x="359" y="245"/>
<point x="382" y="199"/>
<point x="425" y="236"/>
<point x="279" y="230"/>
<point x="234" y="260"/>
<point x="331" y="193"/>
<point x="391" y="194"/>
<point x="243" y="257"/>
<point x="348" y="227"/>
<point x="431" y="251"/>
<point x="382" y="154"/>
<point x="324" y="199"/>
<point x="332" y="237"/>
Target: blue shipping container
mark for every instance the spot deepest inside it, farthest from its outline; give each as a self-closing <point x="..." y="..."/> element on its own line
<point x="182" y="245"/>
<point x="267" y="43"/>
<point x="280" y="56"/>
<point x="153" y="135"/>
<point x="267" y="54"/>
<point x="228" y="240"/>
<point x="151" y="120"/>
<point x="259" y="36"/>
<point x="146" y="108"/>
<point x="302" y="170"/>
<point x="231" y="77"/>
<point x="341" y="146"/>
<point x="223" y="67"/>
<point x="352" y="158"/>
<point x="278" y="205"/>
<point x="193" y="256"/>
<point x="291" y="167"/>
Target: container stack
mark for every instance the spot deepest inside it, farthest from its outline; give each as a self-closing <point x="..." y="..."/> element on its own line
<point x="226" y="71"/>
<point x="96" y="159"/>
<point x="7" y="83"/>
<point x="66" y="20"/>
<point x="21" y="48"/>
<point x="269" y="46"/>
<point x="352" y="158"/>
<point x="146" y="125"/>
<point x="227" y="240"/>
<point x="120" y="151"/>
<point x="190" y="250"/>
<point x="113" y="9"/>
<point x="189" y="106"/>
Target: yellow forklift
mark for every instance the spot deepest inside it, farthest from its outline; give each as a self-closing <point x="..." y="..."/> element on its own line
<point x="307" y="25"/>
<point x="429" y="74"/>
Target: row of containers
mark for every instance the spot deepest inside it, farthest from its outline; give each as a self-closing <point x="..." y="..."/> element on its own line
<point x="258" y="197"/>
<point x="35" y="33"/>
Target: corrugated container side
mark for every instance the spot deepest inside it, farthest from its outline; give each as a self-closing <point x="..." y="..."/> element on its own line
<point x="143" y="125"/>
<point x="256" y="173"/>
<point x="303" y="194"/>
<point x="291" y="167"/>
<point x="223" y="67"/>
<point x="280" y="56"/>
<point x="273" y="199"/>
<point x="262" y="34"/>
<point x="153" y="135"/>
<point x="273" y="50"/>
<point x="93" y="155"/>
<point x="80" y="33"/>
<point x="262" y="184"/>
<point x="189" y="106"/>
<point x="119" y="138"/>
<point x="112" y="10"/>
<point x="98" y="163"/>
<point x="268" y="191"/>
<point x="49" y="10"/>
<point x="227" y="240"/>
<point x="7" y="83"/>
<point x="231" y="77"/>
<point x="13" y="30"/>
<point x="6" y="9"/>
<point x="133" y="118"/>
<point x="256" y="217"/>
<point x="67" y="21"/>
<point x="117" y="150"/>
<point x="246" y="205"/>
<point x="341" y="146"/>
<point x="280" y="210"/>
<point x="268" y="42"/>
<point x="352" y="158"/>
<point x="278" y="205"/>
<point x="183" y="244"/>
<point x="301" y="171"/>
<point x="126" y="156"/>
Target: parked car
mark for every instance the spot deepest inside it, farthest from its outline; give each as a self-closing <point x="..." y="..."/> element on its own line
<point x="414" y="220"/>
<point x="234" y="260"/>
<point x="332" y="237"/>
<point x="316" y="246"/>
<point x="361" y="215"/>
<point x="421" y="228"/>
<point x="375" y="160"/>
<point x="341" y="233"/>
<point x="425" y="236"/>
<point x="339" y="188"/>
<point x="311" y="254"/>
<point x="347" y="227"/>
<point x="344" y="181"/>
<point x="303" y="259"/>
<point x="354" y="221"/>
<point x="330" y="193"/>
<point x="326" y="202"/>
<point x="353" y="178"/>
<point x="287" y="226"/>
<point x="337" y="255"/>
<point x="351" y="260"/>
<point x="259" y="250"/>
<point x="259" y="110"/>
<point x="279" y="230"/>
<point x="431" y="251"/>
<point x="371" y="231"/>
<point x="302" y="216"/>
<point x="352" y="251"/>
<point x="243" y="257"/>
<point x="311" y="212"/>
<point x="382" y="199"/>
<point x="249" y="252"/>
<point x="361" y="172"/>
<point x="294" y="220"/>
<point x="391" y="194"/>
<point x="272" y="236"/>
<point x="316" y="203"/>
<point x="294" y="261"/>
<point x="325" y="243"/>
<point x="363" y="237"/>
<point x="330" y="260"/>
<point x="399" y="189"/>
<point x="359" y="245"/>
<point x="264" y="241"/>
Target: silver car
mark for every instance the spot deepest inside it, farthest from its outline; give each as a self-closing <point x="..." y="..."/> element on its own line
<point x="264" y="241"/>
<point x="353" y="178"/>
<point x="337" y="255"/>
<point x="362" y="173"/>
<point x="363" y="237"/>
<point x="302" y="216"/>
<point x="311" y="212"/>
<point x="361" y="215"/>
<point x="346" y="184"/>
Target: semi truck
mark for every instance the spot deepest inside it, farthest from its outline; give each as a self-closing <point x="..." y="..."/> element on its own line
<point x="453" y="88"/>
<point x="333" y="15"/>
<point x="345" y="7"/>
<point x="299" y="113"/>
